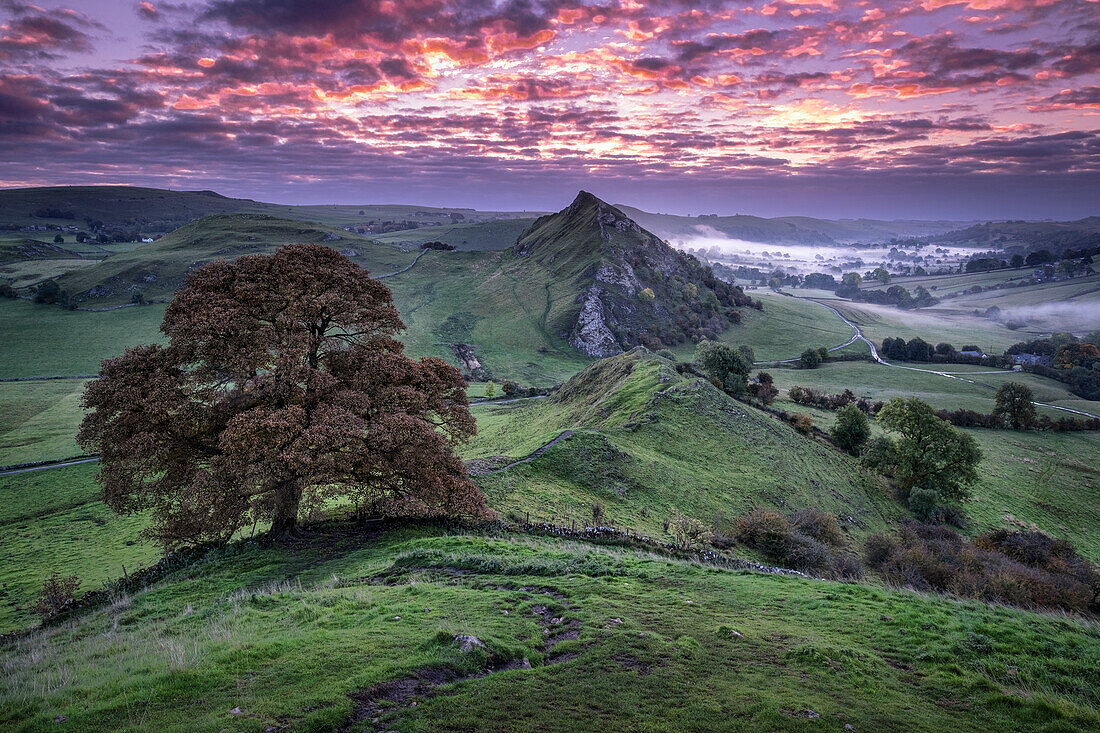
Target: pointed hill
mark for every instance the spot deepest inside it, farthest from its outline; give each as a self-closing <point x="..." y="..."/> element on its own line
<point x="633" y="288"/>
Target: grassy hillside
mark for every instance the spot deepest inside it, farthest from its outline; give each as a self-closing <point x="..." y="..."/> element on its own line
<point x="159" y="269"/>
<point x="53" y="520"/>
<point x="648" y="440"/>
<point x="359" y="631"/>
<point x="490" y="235"/>
<point x="46" y="340"/>
<point x="40" y="420"/>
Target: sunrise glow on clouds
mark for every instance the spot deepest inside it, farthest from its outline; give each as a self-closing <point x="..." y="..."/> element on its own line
<point x="788" y="106"/>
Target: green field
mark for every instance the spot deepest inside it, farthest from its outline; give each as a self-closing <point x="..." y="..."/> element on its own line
<point x="493" y="235"/>
<point x="53" y="520"/>
<point x="294" y="638"/>
<point x="44" y="340"/>
<point x="157" y="270"/>
<point x="40" y="420"/>
<point x="877" y="382"/>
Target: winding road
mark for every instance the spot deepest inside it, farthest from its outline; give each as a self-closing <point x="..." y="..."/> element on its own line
<point x="858" y="336"/>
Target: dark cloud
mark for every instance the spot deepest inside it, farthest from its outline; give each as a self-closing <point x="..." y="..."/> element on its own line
<point x="31" y="32"/>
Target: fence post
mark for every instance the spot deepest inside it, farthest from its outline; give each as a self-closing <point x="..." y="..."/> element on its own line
<point x="125" y="575"/>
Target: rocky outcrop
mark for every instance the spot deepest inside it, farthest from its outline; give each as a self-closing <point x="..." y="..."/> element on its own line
<point x="632" y="288"/>
<point x="591" y="335"/>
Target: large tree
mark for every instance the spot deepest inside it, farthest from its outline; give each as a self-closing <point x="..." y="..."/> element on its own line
<point x="281" y="378"/>
<point x="928" y="452"/>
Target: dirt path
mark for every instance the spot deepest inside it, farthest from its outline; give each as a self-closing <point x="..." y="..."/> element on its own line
<point x="534" y="454"/>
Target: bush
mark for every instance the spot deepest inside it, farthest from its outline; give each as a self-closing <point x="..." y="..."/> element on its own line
<point x="1019" y="568"/>
<point x="819" y="525"/>
<point x="56" y="594"/>
<point x="803" y="423"/>
<point x="689" y="533"/>
<point x="923" y="503"/>
<point x="798" y="541"/>
<point x="846" y="566"/>
<point x="7" y="291"/>
<point x="666" y="354"/>
<point x="597" y="513"/>
<point x="805" y="553"/>
<point x="810" y="359"/>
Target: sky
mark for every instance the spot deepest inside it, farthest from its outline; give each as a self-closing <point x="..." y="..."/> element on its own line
<point x="923" y="109"/>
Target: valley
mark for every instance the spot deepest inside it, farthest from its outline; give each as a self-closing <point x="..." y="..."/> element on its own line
<point x="581" y="586"/>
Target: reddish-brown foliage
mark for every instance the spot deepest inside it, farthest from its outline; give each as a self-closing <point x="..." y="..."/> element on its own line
<point x="281" y="377"/>
<point x="1020" y="568"/>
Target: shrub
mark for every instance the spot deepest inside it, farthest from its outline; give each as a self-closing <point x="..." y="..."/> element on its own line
<point x="57" y="592"/>
<point x="803" y="423"/>
<point x="1019" y="568"/>
<point x="798" y="541"/>
<point x="923" y="503"/>
<point x="804" y="553"/>
<point x="846" y="566"/>
<point x="878" y="548"/>
<point x="597" y="513"/>
<point x="666" y="354"/>
<point x="819" y="525"/>
<point x="689" y="533"/>
<point x="810" y="359"/>
<point x="7" y="291"/>
<point x="765" y="530"/>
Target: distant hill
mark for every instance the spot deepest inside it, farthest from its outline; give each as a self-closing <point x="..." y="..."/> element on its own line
<point x="1027" y="236"/>
<point x="136" y="210"/>
<point x="787" y="229"/>
<point x="633" y="288"/>
<point x="158" y="269"/>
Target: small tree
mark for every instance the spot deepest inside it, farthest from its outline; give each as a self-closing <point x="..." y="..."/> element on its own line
<point x="281" y="376"/>
<point x="56" y="592"/>
<point x="48" y="292"/>
<point x="597" y="513"/>
<point x="490" y="389"/>
<point x="58" y="239"/>
<point x="928" y="452"/>
<point x="810" y="359"/>
<point x="1013" y="405"/>
<point x="852" y="428"/>
<point x="763" y="389"/>
<point x="728" y="366"/>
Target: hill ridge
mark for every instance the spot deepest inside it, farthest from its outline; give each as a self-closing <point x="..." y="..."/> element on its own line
<point x="634" y="289"/>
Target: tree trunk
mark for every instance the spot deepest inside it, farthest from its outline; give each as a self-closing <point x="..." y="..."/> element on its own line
<point x="284" y="522"/>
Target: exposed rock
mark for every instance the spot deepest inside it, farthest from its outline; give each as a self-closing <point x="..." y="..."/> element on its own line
<point x="468" y="363"/>
<point x="591" y="335"/>
<point x="467" y="642"/>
